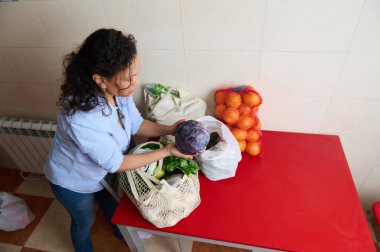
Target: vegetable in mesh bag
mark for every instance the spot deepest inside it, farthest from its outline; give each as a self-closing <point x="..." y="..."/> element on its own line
<point x="157" y="89"/>
<point x="170" y="164"/>
<point x="165" y="202"/>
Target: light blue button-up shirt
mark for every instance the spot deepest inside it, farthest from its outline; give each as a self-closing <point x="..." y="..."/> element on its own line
<point x="88" y="145"/>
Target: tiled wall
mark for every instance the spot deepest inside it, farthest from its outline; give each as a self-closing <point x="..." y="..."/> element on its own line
<point x="316" y="63"/>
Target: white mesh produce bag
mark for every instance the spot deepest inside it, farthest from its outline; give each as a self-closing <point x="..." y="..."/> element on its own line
<point x="161" y="202"/>
<point x="220" y="161"/>
<point x="166" y="105"/>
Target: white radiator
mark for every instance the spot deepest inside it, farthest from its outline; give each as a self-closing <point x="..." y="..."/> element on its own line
<point x="27" y="141"/>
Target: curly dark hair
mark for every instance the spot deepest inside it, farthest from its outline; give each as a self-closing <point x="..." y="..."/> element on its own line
<point x="105" y="52"/>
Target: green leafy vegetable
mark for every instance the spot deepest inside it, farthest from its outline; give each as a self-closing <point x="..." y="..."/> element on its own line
<point x="188" y="166"/>
<point x="170" y="164"/>
<point x="157" y="89"/>
<point x="151" y="146"/>
<point x="175" y="93"/>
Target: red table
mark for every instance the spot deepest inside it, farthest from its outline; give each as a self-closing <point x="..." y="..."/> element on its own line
<point x="299" y="196"/>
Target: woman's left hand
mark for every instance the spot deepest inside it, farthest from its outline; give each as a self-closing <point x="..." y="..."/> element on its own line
<point x="173" y="128"/>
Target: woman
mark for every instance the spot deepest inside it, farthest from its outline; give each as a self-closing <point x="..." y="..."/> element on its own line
<point x="96" y="120"/>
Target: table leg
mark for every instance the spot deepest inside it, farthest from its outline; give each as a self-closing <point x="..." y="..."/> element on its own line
<point x="181" y="246"/>
<point x="132" y="239"/>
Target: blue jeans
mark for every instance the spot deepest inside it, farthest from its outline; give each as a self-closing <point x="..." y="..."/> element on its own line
<point x="81" y="207"/>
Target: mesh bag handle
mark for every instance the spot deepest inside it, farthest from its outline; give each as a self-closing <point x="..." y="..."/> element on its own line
<point x="148" y="179"/>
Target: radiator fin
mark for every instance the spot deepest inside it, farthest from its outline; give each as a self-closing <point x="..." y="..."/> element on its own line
<point x="27" y="141"/>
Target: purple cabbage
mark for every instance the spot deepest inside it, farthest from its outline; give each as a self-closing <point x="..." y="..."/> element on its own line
<point x="191" y="137"/>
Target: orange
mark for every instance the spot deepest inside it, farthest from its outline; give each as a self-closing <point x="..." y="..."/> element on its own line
<point x="245" y="110"/>
<point x="239" y="134"/>
<point x="245" y="122"/>
<point x="255" y="110"/>
<point x="251" y="99"/>
<point x="219" y="109"/>
<point x="220" y="97"/>
<point x="253" y="149"/>
<point x="242" y="145"/>
<point x="233" y="99"/>
<point x="228" y="126"/>
<point x="253" y="135"/>
<point x="258" y="126"/>
<point x="230" y="115"/>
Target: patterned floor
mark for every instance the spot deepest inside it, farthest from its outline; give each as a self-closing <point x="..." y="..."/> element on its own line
<point x="50" y="229"/>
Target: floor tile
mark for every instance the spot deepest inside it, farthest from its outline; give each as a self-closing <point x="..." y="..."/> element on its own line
<point x="38" y="205"/>
<point x="37" y="185"/>
<point x="103" y="237"/>
<point x="53" y="231"/>
<point x="9" y="248"/>
<point x="206" y="247"/>
<point x="9" y="179"/>
<point x="165" y="244"/>
<point x="24" y="249"/>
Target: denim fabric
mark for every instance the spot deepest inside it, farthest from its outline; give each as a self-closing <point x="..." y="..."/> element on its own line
<point x="81" y="207"/>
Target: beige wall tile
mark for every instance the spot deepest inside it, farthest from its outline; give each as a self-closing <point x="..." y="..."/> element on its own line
<point x="163" y="66"/>
<point x="359" y="174"/>
<point x="13" y="97"/>
<point x="61" y="53"/>
<point x="155" y="24"/>
<point x="211" y="70"/>
<point x="67" y="22"/>
<point x="360" y="77"/>
<point x="32" y="65"/>
<point x="222" y="25"/>
<point x="21" y="26"/>
<point x="370" y="190"/>
<point x="6" y="74"/>
<point x="352" y="116"/>
<point x="41" y="114"/>
<point x="292" y="113"/>
<point x="361" y="149"/>
<point x="298" y="74"/>
<point x="367" y="36"/>
<point x="43" y="96"/>
<point x="310" y="25"/>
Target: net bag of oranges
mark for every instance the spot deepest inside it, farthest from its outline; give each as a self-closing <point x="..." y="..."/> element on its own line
<point x="238" y="108"/>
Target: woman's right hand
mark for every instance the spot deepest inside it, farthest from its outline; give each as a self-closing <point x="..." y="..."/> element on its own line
<point x="176" y="153"/>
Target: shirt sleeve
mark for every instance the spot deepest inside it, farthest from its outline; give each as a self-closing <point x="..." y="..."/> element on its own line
<point x="135" y="115"/>
<point x="93" y="139"/>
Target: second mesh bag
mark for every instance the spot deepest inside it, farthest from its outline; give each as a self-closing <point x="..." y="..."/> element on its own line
<point x="160" y="202"/>
<point x="167" y="105"/>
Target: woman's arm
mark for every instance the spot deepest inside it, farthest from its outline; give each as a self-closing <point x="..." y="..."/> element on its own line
<point x="152" y="129"/>
<point x="134" y="161"/>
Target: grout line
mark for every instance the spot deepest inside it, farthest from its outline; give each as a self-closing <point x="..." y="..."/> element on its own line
<point x="183" y="45"/>
<point x="104" y="12"/>
<point x="365" y="179"/>
<point x="261" y="46"/>
<point x="42" y="24"/>
<point x="342" y="67"/>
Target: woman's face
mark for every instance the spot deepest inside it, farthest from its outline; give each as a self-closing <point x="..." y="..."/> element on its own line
<point x="125" y="82"/>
